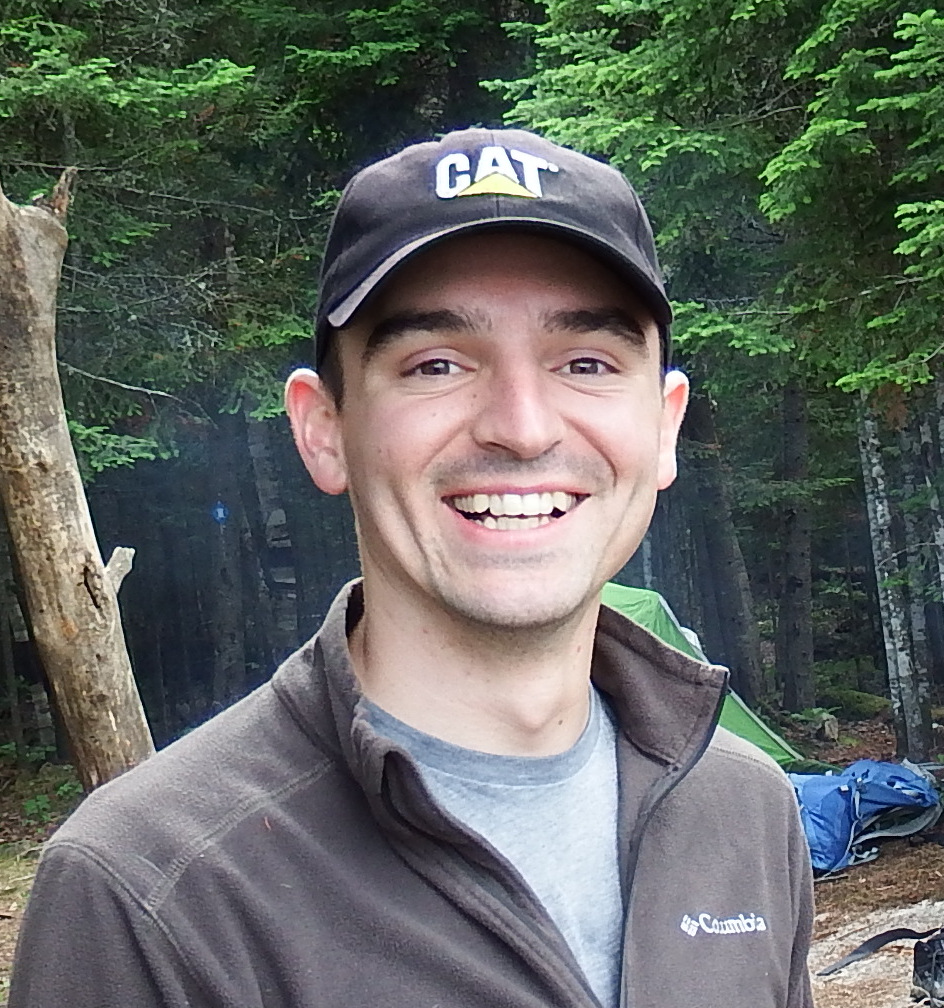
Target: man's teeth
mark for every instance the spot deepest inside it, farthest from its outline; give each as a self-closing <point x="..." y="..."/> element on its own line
<point x="513" y="524"/>
<point x="510" y="511"/>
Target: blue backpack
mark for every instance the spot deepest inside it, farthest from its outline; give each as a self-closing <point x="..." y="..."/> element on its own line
<point x="843" y="813"/>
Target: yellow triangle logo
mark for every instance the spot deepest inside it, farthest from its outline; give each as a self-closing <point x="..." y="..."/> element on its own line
<point x="497" y="184"/>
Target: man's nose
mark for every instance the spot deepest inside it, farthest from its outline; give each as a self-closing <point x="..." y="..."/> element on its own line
<point x="518" y="413"/>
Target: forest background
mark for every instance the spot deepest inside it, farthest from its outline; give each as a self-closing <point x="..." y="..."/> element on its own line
<point x="790" y="155"/>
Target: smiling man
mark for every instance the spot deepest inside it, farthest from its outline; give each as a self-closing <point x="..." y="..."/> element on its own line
<point x="473" y="787"/>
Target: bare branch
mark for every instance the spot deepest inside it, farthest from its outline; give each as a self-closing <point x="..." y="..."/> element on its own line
<point x="765" y="115"/>
<point x="118" y="566"/>
<point x="117" y="384"/>
<point x="804" y="309"/>
<point x="60" y="168"/>
<point x="221" y="203"/>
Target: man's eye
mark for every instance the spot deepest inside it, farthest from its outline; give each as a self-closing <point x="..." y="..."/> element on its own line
<point x="587" y="366"/>
<point x="435" y="368"/>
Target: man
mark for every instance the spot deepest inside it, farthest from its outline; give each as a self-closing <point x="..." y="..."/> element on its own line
<point x="473" y="787"/>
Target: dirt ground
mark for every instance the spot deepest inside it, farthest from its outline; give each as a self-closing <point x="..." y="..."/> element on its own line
<point x="17" y="866"/>
<point x="903" y="888"/>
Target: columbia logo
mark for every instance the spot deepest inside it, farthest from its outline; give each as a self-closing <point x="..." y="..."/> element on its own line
<point x="689" y="926"/>
<point x="742" y="924"/>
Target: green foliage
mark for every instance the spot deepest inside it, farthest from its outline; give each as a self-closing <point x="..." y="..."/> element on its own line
<point x="813" y="715"/>
<point x="37" y="809"/>
<point x="98" y="449"/>
<point x="699" y="328"/>
<point x="33" y="756"/>
<point x="789" y="154"/>
<point x="840" y="678"/>
<point x="44" y="792"/>
<point x="211" y="141"/>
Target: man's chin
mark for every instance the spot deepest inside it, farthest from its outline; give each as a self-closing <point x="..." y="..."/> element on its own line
<point x="506" y="610"/>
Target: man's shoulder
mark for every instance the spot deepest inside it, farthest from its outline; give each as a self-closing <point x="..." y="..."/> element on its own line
<point x="183" y="799"/>
<point x="734" y="773"/>
<point x="735" y="795"/>
<point x="732" y="749"/>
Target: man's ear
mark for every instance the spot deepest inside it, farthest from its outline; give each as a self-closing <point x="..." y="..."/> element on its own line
<point x="316" y="426"/>
<point x="674" y="401"/>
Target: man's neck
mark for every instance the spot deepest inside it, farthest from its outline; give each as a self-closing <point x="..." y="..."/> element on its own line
<point x="511" y="692"/>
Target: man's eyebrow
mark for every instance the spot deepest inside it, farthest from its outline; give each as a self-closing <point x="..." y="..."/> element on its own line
<point x="395" y="326"/>
<point x="615" y="320"/>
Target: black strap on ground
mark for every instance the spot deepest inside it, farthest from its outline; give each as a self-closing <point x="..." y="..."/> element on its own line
<point x="874" y="943"/>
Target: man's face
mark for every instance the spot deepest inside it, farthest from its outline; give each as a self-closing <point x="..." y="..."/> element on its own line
<point x="504" y="429"/>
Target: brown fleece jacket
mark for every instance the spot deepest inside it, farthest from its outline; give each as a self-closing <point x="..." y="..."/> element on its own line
<point x="283" y="855"/>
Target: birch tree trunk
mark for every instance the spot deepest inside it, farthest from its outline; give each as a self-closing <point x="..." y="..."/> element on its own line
<point x="916" y="546"/>
<point x="908" y="683"/>
<point x="938" y="386"/>
<point x="935" y="516"/>
<point x="71" y="595"/>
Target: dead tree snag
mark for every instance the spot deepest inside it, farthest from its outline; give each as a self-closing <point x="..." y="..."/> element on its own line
<point x="71" y="596"/>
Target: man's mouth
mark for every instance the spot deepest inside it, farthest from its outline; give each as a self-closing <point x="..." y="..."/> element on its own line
<point x="510" y="512"/>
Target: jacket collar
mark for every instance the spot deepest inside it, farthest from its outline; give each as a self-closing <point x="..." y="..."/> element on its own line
<point x="665" y="701"/>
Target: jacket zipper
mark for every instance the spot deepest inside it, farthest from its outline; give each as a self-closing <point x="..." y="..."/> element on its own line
<point x="635" y="841"/>
<point x="497" y="892"/>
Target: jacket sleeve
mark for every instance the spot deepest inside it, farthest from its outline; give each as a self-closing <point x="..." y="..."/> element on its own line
<point x="86" y="942"/>
<point x="800" y="994"/>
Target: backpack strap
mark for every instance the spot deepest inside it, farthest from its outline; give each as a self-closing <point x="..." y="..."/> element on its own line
<point x="873" y="944"/>
<point x="899" y="822"/>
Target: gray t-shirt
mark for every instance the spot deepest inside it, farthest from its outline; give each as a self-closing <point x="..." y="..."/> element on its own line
<point x="553" y="817"/>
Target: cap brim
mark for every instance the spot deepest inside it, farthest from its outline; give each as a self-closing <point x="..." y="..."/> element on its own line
<point x="642" y="285"/>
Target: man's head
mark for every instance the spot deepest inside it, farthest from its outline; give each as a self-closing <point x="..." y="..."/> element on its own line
<point x="473" y="180"/>
<point x="506" y="424"/>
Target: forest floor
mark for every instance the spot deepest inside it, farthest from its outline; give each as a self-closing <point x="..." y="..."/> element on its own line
<point x="33" y="802"/>
<point x="904" y="887"/>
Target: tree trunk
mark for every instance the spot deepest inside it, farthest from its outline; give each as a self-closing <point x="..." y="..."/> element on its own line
<point x="8" y="607"/>
<point x="709" y="623"/>
<point x="916" y="572"/>
<point x="259" y="587"/>
<point x="71" y="598"/>
<point x="929" y="468"/>
<point x="646" y="550"/>
<point x="726" y="562"/>
<point x="321" y="531"/>
<point x="224" y="551"/>
<point x="275" y="559"/>
<point x="674" y="552"/>
<point x="794" y="619"/>
<point x="908" y="684"/>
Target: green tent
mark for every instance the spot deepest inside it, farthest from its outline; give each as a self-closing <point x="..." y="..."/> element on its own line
<point x="650" y="609"/>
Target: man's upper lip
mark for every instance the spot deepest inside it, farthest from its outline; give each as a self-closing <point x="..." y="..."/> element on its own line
<point x="521" y="491"/>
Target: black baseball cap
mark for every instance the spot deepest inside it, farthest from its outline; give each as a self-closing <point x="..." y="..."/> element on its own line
<point x="474" y="179"/>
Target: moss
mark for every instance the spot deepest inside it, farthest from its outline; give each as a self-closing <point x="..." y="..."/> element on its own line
<point x="854" y="705"/>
